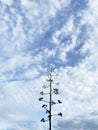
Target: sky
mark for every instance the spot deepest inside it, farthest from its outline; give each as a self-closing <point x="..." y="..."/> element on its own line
<point x="35" y="34"/>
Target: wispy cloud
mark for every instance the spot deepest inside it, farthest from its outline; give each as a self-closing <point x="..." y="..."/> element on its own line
<point x="34" y="34"/>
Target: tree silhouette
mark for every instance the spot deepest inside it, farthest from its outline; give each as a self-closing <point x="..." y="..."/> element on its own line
<point x="50" y="102"/>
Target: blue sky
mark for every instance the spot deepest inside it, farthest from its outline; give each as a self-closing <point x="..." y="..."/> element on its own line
<point x="35" y="34"/>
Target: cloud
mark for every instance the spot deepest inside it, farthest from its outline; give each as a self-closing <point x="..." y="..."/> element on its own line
<point x="78" y="124"/>
<point x="18" y="101"/>
<point x="35" y="34"/>
<point x="7" y="2"/>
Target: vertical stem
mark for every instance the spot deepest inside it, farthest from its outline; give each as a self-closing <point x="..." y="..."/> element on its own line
<point x="50" y="103"/>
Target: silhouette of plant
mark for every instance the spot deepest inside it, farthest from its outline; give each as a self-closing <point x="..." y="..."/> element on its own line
<point x="50" y="102"/>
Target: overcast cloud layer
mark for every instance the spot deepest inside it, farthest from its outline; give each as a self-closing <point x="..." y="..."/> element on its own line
<point x="35" y="34"/>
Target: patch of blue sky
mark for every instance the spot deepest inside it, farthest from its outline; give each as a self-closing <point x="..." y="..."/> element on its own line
<point x="17" y="5"/>
<point x="78" y="5"/>
<point x="76" y="53"/>
<point x="44" y="41"/>
<point x="77" y="20"/>
<point x="56" y="62"/>
<point x="59" y="20"/>
<point x="82" y="36"/>
<point x="73" y="58"/>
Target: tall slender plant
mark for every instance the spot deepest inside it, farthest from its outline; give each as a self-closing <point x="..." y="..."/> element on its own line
<point x="47" y="104"/>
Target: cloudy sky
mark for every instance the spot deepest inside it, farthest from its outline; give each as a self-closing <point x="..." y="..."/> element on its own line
<point x="35" y="34"/>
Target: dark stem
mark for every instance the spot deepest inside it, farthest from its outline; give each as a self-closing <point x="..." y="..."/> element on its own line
<point x="50" y="103"/>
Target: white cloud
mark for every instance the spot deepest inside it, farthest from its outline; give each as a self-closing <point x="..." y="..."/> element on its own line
<point x="55" y="39"/>
<point x="69" y="26"/>
<point x="8" y="2"/>
<point x="93" y="7"/>
<point x="49" y="53"/>
<point x="90" y="17"/>
<point x="78" y="85"/>
<point x="19" y="102"/>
